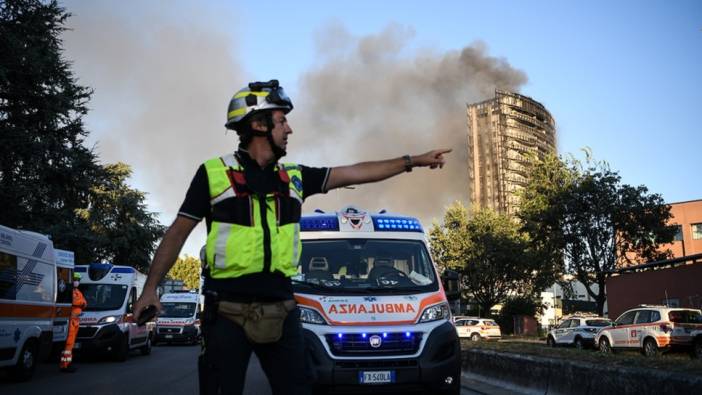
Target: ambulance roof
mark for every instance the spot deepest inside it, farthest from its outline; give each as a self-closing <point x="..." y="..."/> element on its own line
<point x="354" y="222"/>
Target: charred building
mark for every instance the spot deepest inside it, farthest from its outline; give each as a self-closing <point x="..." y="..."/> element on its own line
<point x="502" y="132"/>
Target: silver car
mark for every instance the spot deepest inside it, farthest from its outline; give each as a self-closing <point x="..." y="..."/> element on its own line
<point x="577" y="330"/>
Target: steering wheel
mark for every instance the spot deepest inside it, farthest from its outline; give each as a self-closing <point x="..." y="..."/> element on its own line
<point x="393" y="277"/>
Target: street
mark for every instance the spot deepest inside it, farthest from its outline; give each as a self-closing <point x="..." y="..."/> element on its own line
<point x="169" y="369"/>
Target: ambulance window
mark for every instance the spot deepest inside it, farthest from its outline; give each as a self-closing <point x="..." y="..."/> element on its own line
<point x="574" y="323"/>
<point x="643" y="317"/>
<point x="64" y="286"/>
<point x="564" y="324"/>
<point x="473" y="323"/>
<point x="627" y="318"/>
<point x="132" y="300"/>
<point x="8" y="276"/>
<point x="460" y="323"/>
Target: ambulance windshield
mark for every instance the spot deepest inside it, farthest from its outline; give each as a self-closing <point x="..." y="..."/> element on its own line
<point x="363" y="266"/>
<point x="177" y="310"/>
<point x="102" y="297"/>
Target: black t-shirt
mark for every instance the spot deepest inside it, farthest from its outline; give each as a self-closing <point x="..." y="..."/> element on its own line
<point x="262" y="287"/>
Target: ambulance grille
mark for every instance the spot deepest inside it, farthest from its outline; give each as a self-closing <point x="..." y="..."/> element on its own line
<point x="87" y="331"/>
<point x="355" y="344"/>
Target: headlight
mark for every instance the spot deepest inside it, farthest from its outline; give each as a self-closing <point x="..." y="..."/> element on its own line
<point x="310" y="316"/>
<point x="437" y="312"/>
<point x="110" y="319"/>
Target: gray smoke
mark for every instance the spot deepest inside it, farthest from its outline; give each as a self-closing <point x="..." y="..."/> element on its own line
<point x="162" y="75"/>
<point x="373" y="98"/>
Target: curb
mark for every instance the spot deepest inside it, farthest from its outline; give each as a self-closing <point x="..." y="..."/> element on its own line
<point x="558" y="376"/>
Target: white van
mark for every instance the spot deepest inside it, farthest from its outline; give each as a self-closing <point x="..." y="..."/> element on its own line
<point x="179" y="319"/>
<point x="373" y="308"/>
<point x="35" y="299"/>
<point x="107" y="324"/>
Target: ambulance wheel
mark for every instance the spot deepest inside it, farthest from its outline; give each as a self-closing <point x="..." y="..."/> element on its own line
<point x="550" y="341"/>
<point x="122" y="351"/>
<point x="26" y="362"/>
<point x="475" y="337"/>
<point x="146" y="348"/>
<point x="579" y="343"/>
<point x="650" y="348"/>
<point x="605" y="347"/>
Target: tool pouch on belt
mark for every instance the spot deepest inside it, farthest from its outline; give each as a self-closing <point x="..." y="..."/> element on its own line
<point x="262" y="322"/>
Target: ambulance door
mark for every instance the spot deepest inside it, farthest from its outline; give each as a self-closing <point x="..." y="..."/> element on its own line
<point x="560" y="334"/>
<point x="137" y="334"/>
<point x="622" y="331"/>
<point x="636" y="333"/>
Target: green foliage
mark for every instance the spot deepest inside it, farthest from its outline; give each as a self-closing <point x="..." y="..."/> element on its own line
<point x="187" y="269"/>
<point x="49" y="181"/>
<point x="488" y="251"/>
<point x="123" y="231"/>
<point x="581" y="212"/>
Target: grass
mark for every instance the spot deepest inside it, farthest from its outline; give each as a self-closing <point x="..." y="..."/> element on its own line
<point x="672" y="361"/>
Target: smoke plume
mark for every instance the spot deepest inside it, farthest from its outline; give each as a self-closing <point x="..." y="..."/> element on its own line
<point x="373" y="98"/>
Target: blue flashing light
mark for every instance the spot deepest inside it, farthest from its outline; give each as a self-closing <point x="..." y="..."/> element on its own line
<point x="397" y="224"/>
<point x="385" y="334"/>
<point x="363" y="335"/>
<point x="407" y="334"/>
<point x="316" y="223"/>
<point x="340" y="335"/>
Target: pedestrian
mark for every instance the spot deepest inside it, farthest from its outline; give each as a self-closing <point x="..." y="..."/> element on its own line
<point x="77" y="305"/>
<point x="252" y="205"/>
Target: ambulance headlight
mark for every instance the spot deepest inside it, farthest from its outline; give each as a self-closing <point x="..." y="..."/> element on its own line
<point x="110" y="319"/>
<point x="437" y="312"/>
<point x="310" y="316"/>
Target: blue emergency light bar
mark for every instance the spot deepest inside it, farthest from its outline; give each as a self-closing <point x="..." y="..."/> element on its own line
<point x="397" y="224"/>
<point x="319" y="223"/>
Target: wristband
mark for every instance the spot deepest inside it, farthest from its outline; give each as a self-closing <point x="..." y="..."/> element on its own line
<point x="408" y="163"/>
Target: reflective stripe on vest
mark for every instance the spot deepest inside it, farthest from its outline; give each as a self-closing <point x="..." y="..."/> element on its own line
<point x="236" y="249"/>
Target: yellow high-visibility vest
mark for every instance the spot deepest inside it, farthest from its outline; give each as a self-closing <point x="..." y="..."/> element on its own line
<point x="252" y="233"/>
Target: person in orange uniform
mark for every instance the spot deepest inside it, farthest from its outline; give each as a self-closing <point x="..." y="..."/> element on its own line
<point x="77" y="307"/>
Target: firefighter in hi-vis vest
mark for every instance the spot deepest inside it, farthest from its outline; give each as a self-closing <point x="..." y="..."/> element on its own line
<point x="252" y="204"/>
<point x="77" y="306"/>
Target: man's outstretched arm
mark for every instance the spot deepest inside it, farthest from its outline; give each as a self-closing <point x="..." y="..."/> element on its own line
<point x="166" y="255"/>
<point x="365" y="172"/>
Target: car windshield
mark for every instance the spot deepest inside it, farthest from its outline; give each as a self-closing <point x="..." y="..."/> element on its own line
<point x="364" y="266"/>
<point x="103" y="296"/>
<point x="685" y="316"/>
<point x="177" y="310"/>
<point x="597" y="322"/>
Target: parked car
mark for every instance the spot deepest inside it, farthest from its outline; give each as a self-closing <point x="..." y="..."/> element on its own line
<point x="651" y="329"/>
<point x="577" y="330"/>
<point x="477" y="328"/>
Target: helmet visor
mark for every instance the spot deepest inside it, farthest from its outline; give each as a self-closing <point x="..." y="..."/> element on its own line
<point x="279" y="98"/>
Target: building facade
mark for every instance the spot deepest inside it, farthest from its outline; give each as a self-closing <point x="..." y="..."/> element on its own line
<point x="687" y="216"/>
<point x="502" y="132"/>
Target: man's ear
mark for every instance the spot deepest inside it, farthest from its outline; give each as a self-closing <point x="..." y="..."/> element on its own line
<point x="259" y="126"/>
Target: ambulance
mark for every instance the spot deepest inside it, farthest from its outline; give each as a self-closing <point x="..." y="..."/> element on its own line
<point x="373" y="309"/>
<point x="107" y="324"/>
<point x="35" y="299"/>
<point x="179" y="319"/>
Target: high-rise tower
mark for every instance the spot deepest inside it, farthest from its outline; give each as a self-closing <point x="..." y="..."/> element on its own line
<point x="500" y="132"/>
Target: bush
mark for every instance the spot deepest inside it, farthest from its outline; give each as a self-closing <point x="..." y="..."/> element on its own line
<point x="517" y="305"/>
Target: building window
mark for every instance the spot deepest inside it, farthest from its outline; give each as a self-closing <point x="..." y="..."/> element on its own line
<point x="697" y="231"/>
<point x="678" y="233"/>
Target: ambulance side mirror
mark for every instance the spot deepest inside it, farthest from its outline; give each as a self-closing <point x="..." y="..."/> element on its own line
<point x="450" y="281"/>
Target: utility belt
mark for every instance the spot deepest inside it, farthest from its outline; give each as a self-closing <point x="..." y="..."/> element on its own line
<point x="262" y="322"/>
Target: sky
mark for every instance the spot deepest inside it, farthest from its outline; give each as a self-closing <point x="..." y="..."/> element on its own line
<point x="376" y="80"/>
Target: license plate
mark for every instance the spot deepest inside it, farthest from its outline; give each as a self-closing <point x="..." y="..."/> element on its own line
<point x="76" y="345"/>
<point x="169" y="336"/>
<point x="377" y="377"/>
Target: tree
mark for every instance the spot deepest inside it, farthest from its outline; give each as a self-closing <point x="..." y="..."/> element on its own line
<point x="598" y="223"/>
<point x="121" y="229"/>
<point x="186" y="269"/>
<point x="45" y="171"/>
<point x="49" y="181"/>
<point x="488" y="251"/>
